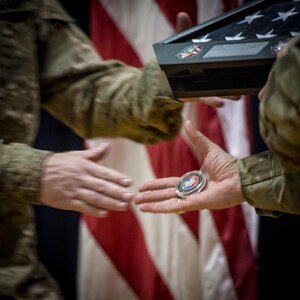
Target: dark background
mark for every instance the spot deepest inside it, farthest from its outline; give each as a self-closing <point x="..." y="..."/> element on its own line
<point x="278" y="253"/>
<point x="278" y="239"/>
<point x="57" y="230"/>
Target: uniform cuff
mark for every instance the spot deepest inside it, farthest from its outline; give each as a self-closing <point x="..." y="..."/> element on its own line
<point x="261" y="178"/>
<point x="21" y="173"/>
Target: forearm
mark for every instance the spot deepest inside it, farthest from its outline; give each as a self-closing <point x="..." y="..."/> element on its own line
<point x="20" y="173"/>
<point x="97" y="98"/>
<point x="126" y="102"/>
<point x="267" y="187"/>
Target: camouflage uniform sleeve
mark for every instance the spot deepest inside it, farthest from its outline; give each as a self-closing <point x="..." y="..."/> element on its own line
<point x="280" y="109"/>
<point x="270" y="180"/>
<point x="267" y="187"/>
<point x="20" y="172"/>
<point x="102" y="98"/>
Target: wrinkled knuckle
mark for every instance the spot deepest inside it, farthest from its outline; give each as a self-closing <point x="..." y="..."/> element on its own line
<point x="91" y="198"/>
<point x="69" y="195"/>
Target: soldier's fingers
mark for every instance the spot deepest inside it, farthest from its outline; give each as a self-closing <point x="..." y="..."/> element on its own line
<point x="107" y="188"/>
<point x="159" y="183"/>
<point x="83" y="207"/>
<point x="109" y="175"/>
<point x="103" y="201"/>
<point x="211" y="101"/>
<point x="155" y="196"/>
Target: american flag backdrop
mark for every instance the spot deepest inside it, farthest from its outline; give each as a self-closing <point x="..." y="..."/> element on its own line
<point x="199" y="255"/>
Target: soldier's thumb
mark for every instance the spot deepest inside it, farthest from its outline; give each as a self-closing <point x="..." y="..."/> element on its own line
<point x="201" y="143"/>
<point x="96" y="154"/>
<point x="183" y="22"/>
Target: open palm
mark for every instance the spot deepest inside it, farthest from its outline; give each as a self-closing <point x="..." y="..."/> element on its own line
<point x="222" y="189"/>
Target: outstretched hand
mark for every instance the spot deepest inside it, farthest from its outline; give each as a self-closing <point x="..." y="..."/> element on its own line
<point x="76" y="181"/>
<point x="222" y="189"/>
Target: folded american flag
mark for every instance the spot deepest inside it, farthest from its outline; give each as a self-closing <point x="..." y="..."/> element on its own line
<point x="281" y="19"/>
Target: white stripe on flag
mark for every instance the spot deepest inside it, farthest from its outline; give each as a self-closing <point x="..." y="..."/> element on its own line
<point x="208" y="9"/>
<point x="234" y="127"/>
<point x="149" y="24"/>
<point x="217" y="283"/>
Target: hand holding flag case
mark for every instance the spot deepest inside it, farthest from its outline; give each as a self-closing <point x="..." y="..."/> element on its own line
<point x="231" y="54"/>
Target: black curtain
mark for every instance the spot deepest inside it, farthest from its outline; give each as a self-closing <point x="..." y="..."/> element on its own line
<point x="57" y="230"/>
<point x="278" y="258"/>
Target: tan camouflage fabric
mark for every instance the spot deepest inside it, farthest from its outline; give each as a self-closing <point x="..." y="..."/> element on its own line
<point x="46" y="60"/>
<point x="271" y="180"/>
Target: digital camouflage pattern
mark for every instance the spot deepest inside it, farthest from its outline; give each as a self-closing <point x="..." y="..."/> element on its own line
<point x="270" y="180"/>
<point x="46" y="60"/>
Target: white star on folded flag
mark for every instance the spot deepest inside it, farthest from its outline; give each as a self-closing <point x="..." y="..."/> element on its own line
<point x="249" y="19"/>
<point x="267" y="35"/>
<point x="237" y="37"/>
<point x="202" y="40"/>
<point x="285" y="15"/>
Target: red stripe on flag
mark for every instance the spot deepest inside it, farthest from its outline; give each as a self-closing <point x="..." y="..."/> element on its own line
<point x="165" y="155"/>
<point x="164" y="160"/>
<point x="230" y="4"/>
<point x="120" y="236"/>
<point x="230" y="222"/>
<point x="103" y="30"/>
<point x="209" y="124"/>
<point x="171" y="8"/>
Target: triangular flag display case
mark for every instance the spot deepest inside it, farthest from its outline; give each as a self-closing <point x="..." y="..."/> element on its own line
<point x="231" y="54"/>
